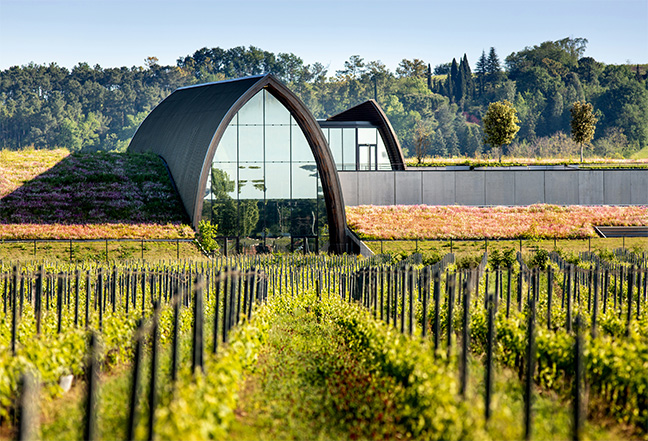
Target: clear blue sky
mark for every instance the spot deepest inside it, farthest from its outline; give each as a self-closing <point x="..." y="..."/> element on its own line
<point x="115" y="33"/>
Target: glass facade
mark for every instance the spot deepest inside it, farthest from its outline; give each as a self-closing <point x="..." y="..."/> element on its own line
<point x="357" y="148"/>
<point x="264" y="189"/>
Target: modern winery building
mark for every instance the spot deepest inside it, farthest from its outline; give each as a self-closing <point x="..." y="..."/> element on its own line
<point x="248" y="155"/>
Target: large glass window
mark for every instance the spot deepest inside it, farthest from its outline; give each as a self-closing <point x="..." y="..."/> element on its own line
<point x="304" y="180"/>
<point x="275" y="112"/>
<point x="250" y="143"/>
<point x="383" y="159"/>
<point x="335" y="144"/>
<point x="358" y="148"/>
<point x="264" y="184"/>
<point x="278" y="180"/>
<point x="367" y="136"/>
<point x="277" y="149"/>
<point x="227" y="148"/>
<point x="252" y="111"/>
<point x="349" y="149"/>
<point x="301" y="151"/>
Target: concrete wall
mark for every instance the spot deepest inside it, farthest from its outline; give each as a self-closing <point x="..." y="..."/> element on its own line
<point x="495" y="187"/>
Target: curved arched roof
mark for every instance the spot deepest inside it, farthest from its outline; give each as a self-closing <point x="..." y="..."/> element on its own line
<point x="371" y="112"/>
<point x="186" y="128"/>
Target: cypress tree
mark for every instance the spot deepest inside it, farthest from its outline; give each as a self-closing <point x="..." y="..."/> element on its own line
<point x="453" y="82"/>
<point x="467" y="79"/>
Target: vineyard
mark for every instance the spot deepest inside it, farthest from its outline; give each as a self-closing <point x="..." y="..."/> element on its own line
<point x="495" y="346"/>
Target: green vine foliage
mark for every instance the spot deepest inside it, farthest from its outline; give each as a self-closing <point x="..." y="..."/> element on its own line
<point x="207" y="233"/>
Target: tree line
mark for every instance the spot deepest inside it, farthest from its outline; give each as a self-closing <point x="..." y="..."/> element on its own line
<point x="439" y="109"/>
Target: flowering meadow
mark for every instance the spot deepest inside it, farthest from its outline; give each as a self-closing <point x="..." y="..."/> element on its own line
<point x="462" y="222"/>
<point x="520" y="161"/>
<point x="50" y="194"/>
<point x="19" y="167"/>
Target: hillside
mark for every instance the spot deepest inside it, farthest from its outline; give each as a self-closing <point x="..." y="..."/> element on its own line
<point x="58" y="195"/>
<point x="93" y="108"/>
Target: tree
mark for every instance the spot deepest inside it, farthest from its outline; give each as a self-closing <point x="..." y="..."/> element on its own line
<point x="353" y="68"/>
<point x="439" y="148"/>
<point x="493" y="66"/>
<point x="480" y="70"/>
<point x="500" y="125"/>
<point x="453" y="82"/>
<point x="442" y="69"/>
<point x="466" y="82"/>
<point x="423" y="132"/>
<point x="583" y="124"/>
<point x="411" y="68"/>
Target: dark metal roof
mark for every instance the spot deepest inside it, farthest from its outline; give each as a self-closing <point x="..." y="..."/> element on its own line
<point x="621" y="231"/>
<point x="371" y="112"/>
<point x="187" y="126"/>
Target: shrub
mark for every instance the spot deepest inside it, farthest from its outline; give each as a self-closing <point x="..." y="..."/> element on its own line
<point x="539" y="259"/>
<point x="206" y="235"/>
<point x="504" y="258"/>
<point x="430" y="257"/>
<point x="469" y="262"/>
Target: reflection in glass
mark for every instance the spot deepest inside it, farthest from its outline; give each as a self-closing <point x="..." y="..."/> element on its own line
<point x="349" y="149"/>
<point x="278" y="180"/>
<point x="277" y="217"/>
<point x="251" y="180"/>
<point x="226" y="150"/>
<point x="335" y="144"/>
<point x="275" y="112"/>
<point x="367" y="136"/>
<point x="222" y="180"/>
<point x="304" y="217"/>
<point x="365" y="156"/>
<point x="252" y="111"/>
<point x="223" y="206"/>
<point x="248" y="217"/>
<point x="301" y="150"/>
<point x="304" y="180"/>
<point x="383" y="159"/>
<point x="250" y="143"/>
<point x="277" y="143"/>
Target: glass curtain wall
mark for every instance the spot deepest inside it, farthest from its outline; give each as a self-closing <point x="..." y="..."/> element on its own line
<point x="263" y="187"/>
<point x="357" y="148"/>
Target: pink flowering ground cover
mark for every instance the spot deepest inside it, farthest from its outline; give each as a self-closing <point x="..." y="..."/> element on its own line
<point x="55" y="195"/>
<point x="462" y="222"/>
<point x="521" y="161"/>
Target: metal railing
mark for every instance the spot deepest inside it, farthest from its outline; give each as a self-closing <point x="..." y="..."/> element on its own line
<point x="418" y="243"/>
<point x="106" y="241"/>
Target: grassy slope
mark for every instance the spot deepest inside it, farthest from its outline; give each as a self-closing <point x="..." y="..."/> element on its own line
<point x="51" y="194"/>
<point x="641" y="154"/>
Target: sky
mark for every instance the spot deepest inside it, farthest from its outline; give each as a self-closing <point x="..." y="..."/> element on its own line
<point x="116" y="33"/>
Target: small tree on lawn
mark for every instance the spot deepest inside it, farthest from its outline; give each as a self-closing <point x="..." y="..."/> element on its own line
<point x="500" y="125"/>
<point x="583" y="124"/>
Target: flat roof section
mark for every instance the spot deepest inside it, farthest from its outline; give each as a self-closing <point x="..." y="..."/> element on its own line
<point x="621" y="231"/>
